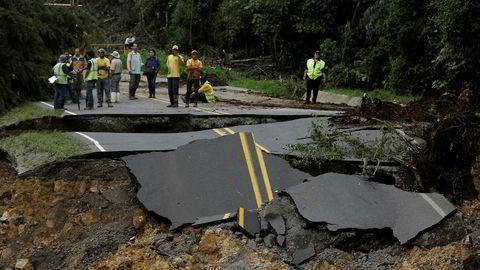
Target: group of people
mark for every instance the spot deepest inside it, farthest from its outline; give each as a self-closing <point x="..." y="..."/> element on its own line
<point x="104" y="74"/>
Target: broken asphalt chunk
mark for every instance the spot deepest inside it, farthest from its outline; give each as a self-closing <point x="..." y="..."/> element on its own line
<point x="278" y="224"/>
<point x="205" y="221"/>
<point x="352" y="202"/>
<point x="248" y="221"/>
<point x="208" y="178"/>
<point x="302" y="255"/>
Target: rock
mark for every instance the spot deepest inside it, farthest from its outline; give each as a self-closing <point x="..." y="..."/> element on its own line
<point x="94" y="189"/>
<point x="162" y="237"/>
<point x="263" y="225"/>
<point x="238" y="265"/>
<point x="278" y="224"/>
<point x="139" y="219"/>
<point x="50" y="224"/>
<point x="82" y="188"/>
<point x="23" y="264"/>
<point x="281" y="240"/>
<point x="269" y="240"/>
<point x="5" y="195"/>
<point x="303" y="254"/>
<point x="88" y="218"/>
<point x="21" y="229"/>
<point x="208" y="243"/>
<point x="5" y="217"/>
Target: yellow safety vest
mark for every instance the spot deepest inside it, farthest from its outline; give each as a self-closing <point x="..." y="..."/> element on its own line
<point x="61" y="76"/>
<point x="92" y="74"/>
<point x="314" y="68"/>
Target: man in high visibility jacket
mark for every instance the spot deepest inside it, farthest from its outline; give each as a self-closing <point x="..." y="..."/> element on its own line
<point x="61" y="71"/>
<point x="314" y="76"/>
<point x="90" y="79"/>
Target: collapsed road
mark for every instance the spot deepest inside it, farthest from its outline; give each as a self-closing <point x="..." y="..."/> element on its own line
<point x="201" y="196"/>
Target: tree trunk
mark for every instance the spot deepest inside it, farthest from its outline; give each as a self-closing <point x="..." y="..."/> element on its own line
<point x="191" y="25"/>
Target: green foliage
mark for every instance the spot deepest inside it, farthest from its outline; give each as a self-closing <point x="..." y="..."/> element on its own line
<point x="31" y="38"/>
<point x="334" y="144"/>
<point x="272" y="88"/>
<point x="381" y="94"/>
<point x="26" y="112"/>
<point x="32" y="149"/>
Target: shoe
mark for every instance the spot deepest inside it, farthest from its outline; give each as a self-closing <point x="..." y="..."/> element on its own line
<point x="153" y="96"/>
<point x="149" y="96"/>
<point x="170" y="106"/>
<point x="187" y="105"/>
<point x="135" y="97"/>
<point x="88" y="108"/>
<point x="99" y="106"/>
<point x="110" y="105"/>
<point x="116" y="101"/>
<point x="195" y="105"/>
<point x="131" y="98"/>
<point x="314" y="102"/>
<point x="175" y="105"/>
<point x="307" y="102"/>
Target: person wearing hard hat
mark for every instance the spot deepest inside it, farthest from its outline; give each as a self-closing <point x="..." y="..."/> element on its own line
<point x="116" y="74"/>
<point x="103" y="87"/>
<point x="313" y="75"/>
<point x="194" y="67"/>
<point x="173" y="77"/>
<point x="61" y="71"/>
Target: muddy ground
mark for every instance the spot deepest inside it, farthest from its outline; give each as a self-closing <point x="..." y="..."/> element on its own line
<point x="91" y="219"/>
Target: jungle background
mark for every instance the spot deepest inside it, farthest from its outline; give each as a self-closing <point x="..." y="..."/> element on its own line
<point x="423" y="47"/>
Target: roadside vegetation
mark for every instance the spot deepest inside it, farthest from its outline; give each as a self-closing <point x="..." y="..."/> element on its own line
<point x="32" y="149"/>
<point x="26" y="112"/>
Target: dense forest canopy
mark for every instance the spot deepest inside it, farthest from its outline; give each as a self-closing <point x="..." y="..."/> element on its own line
<point x="406" y="46"/>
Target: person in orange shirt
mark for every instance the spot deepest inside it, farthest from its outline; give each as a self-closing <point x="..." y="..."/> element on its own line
<point x="194" y="67"/>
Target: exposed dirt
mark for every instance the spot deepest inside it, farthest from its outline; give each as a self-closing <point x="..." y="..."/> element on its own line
<point x="83" y="214"/>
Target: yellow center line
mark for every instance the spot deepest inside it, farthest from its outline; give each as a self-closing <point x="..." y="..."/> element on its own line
<point x="263" y="168"/>
<point x="241" y="213"/>
<point x="258" y="145"/>
<point x="227" y="215"/>
<point x="251" y="170"/>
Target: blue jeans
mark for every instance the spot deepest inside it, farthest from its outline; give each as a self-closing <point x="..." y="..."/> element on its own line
<point x="59" y="97"/>
<point x="173" y="84"/>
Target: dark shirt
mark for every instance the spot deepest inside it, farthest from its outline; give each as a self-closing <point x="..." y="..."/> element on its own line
<point x="153" y="63"/>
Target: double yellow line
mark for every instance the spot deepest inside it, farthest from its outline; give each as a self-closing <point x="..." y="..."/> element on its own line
<point x="248" y="158"/>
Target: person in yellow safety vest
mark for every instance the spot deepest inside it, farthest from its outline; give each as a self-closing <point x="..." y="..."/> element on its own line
<point x="90" y="78"/>
<point x="314" y="76"/>
<point x="205" y="94"/>
<point x="61" y="71"/>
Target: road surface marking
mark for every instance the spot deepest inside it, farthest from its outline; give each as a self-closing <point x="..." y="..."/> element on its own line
<point x="219" y="131"/>
<point x="258" y="145"/>
<point x="433" y="204"/>
<point x="241" y="213"/>
<point x="97" y="144"/>
<point x="251" y="169"/>
<point x="195" y="108"/>
<point x="51" y="106"/>
<point x="263" y="168"/>
<point x="226" y="216"/>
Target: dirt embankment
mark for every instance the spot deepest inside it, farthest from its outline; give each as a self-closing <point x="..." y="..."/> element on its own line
<point x="83" y="214"/>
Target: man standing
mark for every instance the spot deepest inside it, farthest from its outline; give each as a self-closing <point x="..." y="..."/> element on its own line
<point x="103" y="65"/>
<point x="90" y="79"/>
<point x="134" y="65"/>
<point x="313" y="75"/>
<point x="61" y="71"/>
<point x="116" y="71"/>
<point x="78" y="64"/>
<point x="194" y="67"/>
<point x="173" y="77"/>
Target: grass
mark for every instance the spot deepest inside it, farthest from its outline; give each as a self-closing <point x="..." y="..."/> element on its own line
<point x="26" y="112"/>
<point x="381" y="94"/>
<point x="272" y="88"/>
<point x="32" y="149"/>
